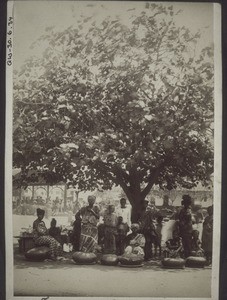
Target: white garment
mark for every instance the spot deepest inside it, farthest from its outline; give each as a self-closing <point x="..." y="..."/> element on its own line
<point x="125" y="213"/>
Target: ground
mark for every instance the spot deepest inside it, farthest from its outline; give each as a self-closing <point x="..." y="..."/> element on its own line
<point x="68" y="279"/>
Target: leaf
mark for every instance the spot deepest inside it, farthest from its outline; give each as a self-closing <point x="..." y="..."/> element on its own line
<point x="148" y="117"/>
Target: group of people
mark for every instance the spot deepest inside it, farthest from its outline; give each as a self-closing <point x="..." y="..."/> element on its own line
<point x="116" y="234"/>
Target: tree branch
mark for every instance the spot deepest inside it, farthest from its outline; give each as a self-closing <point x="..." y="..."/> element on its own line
<point x="153" y="176"/>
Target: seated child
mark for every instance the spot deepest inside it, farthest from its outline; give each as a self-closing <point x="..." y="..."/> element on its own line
<point x="122" y="230"/>
<point x="55" y="231"/>
<point x="196" y="244"/>
<point x="135" y="241"/>
<point x="158" y="237"/>
<point x="174" y="247"/>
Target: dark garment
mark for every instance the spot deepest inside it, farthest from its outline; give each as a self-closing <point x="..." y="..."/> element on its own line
<point x="185" y="228"/>
<point x="207" y="235"/>
<point x="122" y="230"/>
<point x="149" y="242"/>
<point x="55" y="232"/>
<point x="109" y="240"/>
<point x="148" y="230"/>
<point x="207" y="238"/>
<point x="101" y="234"/>
<point x="174" y="248"/>
<point x="187" y="243"/>
<point x="75" y="237"/>
<point x="120" y="244"/>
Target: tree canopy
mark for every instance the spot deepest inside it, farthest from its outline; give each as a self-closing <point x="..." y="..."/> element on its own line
<point x="117" y="103"/>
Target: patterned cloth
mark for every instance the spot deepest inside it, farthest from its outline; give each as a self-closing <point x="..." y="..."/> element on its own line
<point x="41" y="238"/>
<point x="89" y="231"/>
<point x="88" y="238"/>
<point x="110" y="222"/>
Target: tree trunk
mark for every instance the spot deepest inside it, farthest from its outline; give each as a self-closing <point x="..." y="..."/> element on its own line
<point x="135" y="195"/>
<point x="137" y="212"/>
<point x="137" y="202"/>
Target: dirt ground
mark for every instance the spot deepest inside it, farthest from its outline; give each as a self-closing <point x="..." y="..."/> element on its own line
<point x="68" y="279"/>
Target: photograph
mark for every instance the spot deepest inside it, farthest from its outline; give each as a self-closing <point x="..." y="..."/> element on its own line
<point x="113" y="150"/>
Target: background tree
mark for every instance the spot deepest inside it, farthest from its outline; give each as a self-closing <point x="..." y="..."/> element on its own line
<point x="117" y="102"/>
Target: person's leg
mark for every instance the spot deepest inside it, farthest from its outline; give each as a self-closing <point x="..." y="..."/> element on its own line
<point x="148" y="247"/>
<point x="46" y="241"/>
<point x="187" y="241"/>
<point x="128" y="250"/>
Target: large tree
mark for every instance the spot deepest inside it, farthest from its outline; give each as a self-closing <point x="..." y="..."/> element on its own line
<point x="117" y="102"/>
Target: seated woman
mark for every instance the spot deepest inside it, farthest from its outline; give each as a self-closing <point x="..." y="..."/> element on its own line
<point x="174" y="246"/>
<point x="135" y="241"/>
<point x="42" y="238"/>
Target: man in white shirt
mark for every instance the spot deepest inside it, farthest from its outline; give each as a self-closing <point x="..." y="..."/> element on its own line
<point x="124" y="212"/>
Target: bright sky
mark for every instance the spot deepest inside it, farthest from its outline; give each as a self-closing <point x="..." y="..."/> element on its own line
<point x="32" y="17"/>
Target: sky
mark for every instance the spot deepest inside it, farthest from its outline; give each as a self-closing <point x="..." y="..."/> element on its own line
<point x="32" y="17"/>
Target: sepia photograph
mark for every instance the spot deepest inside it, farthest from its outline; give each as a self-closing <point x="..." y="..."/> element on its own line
<point x="113" y="160"/>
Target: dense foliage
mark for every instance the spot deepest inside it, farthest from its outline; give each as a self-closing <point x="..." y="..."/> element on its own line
<point x="114" y="102"/>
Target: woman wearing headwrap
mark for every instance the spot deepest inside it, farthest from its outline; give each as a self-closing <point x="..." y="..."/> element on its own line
<point x="42" y="237"/>
<point x="135" y="241"/>
<point x="89" y="231"/>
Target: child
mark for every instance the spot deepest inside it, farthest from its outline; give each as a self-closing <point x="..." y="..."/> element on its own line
<point x="55" y="231"/>
<point x="110" y="222"/>
<point x="196" y="244"/>
<point x="174" y="246"/>
<point x="122" y="230"/>
<point x="135" y="242"/>
<point x="75" y="238"/>
<point x="158" y="237"/>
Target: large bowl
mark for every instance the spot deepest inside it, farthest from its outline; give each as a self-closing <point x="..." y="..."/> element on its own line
<point x="37" y="253"/>
<point x="195" y="262"/>
<point x="131" y="260"/>
<point x="84" y="258"/>
<point x="109" y="260"/>
<point x="173" y="263"/>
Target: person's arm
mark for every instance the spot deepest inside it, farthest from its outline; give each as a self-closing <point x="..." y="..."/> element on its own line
<point x="142" y="241"/>
<point x="180" y="247"/>
<point x="41" y="229"/>
<point x="95" y="212"/>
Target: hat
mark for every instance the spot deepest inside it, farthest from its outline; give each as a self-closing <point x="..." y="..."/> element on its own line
<point x="40" y="211"/>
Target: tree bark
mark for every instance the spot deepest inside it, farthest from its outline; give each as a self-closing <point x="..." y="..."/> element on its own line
<point x="137" y="201"/>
